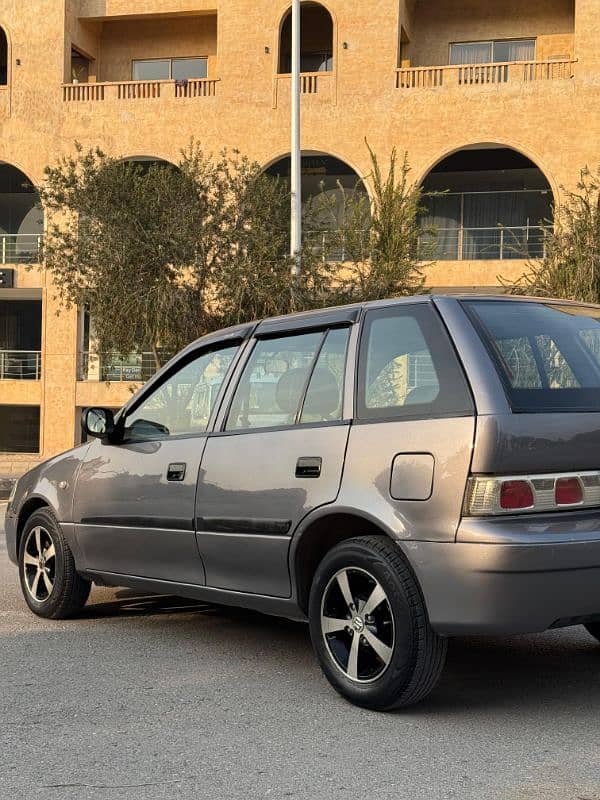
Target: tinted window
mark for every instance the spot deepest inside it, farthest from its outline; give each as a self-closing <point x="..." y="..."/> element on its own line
<point x="325" y="394"/>
<point x="19" y="429"/>
<point x="407" y="367"/>
<point x="183" y="402"/>
<point x="273" y="382"/>
<point x="547" y="355"/>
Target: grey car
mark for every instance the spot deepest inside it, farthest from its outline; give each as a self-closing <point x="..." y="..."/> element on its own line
<point x="396" y="472"/>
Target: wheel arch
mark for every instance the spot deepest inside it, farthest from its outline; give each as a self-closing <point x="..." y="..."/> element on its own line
<point x="31" y="505"/>
<point x="319" y="534"/>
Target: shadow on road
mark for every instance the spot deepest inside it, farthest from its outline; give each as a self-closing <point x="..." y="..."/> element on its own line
<point x="554" y="669"/>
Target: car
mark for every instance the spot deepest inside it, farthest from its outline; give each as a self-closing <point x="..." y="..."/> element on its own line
<point x="395" y="472"/>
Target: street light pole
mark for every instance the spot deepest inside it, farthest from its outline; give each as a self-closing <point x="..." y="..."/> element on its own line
<point x="296" y="153"/>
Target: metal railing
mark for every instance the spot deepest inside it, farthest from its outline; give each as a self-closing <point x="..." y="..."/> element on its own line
<point x="20" y="248"/>
<point x="484" y="74"/>
<point x="20" y="365"/>
<point x="480" y="244"/>
<point x="334" y="246"/>
<point x="116" y="367"/>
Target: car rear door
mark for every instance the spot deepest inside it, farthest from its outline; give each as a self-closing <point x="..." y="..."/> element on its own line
<point x="278" y="453"/>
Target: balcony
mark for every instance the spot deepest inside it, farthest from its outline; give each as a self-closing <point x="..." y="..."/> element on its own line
<point x="471" y="75"/>
<point x="115" y="367"/>
<point x="518" y="242"/>
<point x="139" y="90"/>
<point x="20" y="248"/>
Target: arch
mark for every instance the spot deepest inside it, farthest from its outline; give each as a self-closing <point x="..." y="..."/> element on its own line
<point x="21" y="214"/>
<point x="3" y="57"/>
<point x="327" y="183"/>
<point x="317" y="44"/>
<point x="486" y="201"/>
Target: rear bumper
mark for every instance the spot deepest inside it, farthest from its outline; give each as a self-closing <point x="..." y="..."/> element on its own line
<point x="511" y="576"/>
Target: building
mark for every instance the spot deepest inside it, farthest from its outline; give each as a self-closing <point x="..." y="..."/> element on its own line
<point x="496" y="102"/>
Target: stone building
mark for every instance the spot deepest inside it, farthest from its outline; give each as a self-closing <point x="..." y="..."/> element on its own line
<point x="498" y="103"/>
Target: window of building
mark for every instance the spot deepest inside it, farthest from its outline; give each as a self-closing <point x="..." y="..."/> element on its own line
<point x="3" y="58"/>
<point x="489" y="52"/>
<point x="316" y="53"/>
<point x="183" y="403"/>
<point x="19" y="429"/>
<point x="291" y="379"/>
<point x="407" y="368"/>
<point x="159" y="69"/>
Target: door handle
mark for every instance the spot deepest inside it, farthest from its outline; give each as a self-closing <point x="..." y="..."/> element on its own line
<point x="176" y="472"/>
<point x="309" y="467"/>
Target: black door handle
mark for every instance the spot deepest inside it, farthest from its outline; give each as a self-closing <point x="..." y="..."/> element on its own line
<point x="176" y="472"/>
<point x="308" y="467"/>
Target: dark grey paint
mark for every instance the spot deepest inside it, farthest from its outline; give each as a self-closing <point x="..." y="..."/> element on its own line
<point x="512" y="574"/>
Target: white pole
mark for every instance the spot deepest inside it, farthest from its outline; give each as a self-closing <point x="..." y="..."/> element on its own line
<point x="296" y="153"/>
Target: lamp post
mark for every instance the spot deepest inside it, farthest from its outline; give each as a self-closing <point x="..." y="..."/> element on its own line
<point x="296" y="153"/>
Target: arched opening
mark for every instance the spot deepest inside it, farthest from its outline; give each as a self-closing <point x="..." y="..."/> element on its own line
<point x="21" y="216"/>
<point x="316" y="53"/>
<point x="329" y="187"/>
<point x="3" y="58"/>
<point x="486" y="202"/>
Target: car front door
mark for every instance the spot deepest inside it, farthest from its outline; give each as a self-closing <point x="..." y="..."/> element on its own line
<point x="134" y="499"/>
<point x="278" y="454"/>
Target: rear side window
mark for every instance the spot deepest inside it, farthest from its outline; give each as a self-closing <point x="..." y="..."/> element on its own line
<point x="407" y="367"/>
<point x="547" y="354"/>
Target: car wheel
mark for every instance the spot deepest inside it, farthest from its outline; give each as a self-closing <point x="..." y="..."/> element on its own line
<point x="369" y="626"/>
<point x="594" y="629"/>
<point x="51" y="585"/>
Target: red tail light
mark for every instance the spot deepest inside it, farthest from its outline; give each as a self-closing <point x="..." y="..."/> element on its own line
<point x="568" y="492"/>
<point x="515" y="495"/>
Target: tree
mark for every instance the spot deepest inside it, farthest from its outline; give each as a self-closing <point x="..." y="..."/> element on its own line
<point x="570" y="267"/>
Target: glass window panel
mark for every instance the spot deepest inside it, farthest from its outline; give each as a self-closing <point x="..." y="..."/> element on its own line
<point x="514" y="50"/>
<point x="471" y="53"/>
<point x="184" y="68"/>
<point x="19" y="429"/>
<point x="323" y="402"/>
<point x="155" y="69"/>
<point x="271" y="388"/>
<point x="184" y="402"/>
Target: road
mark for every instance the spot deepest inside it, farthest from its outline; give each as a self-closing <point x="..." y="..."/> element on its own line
<point x="146" y="698"/>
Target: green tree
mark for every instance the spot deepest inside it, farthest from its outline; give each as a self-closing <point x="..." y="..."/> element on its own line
<point x="570" y="267"/>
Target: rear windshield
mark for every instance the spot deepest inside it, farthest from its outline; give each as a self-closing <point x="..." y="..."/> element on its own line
<point x="547" y="354"/>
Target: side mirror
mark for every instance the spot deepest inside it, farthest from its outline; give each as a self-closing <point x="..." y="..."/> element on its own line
<point x="98" y="422"/>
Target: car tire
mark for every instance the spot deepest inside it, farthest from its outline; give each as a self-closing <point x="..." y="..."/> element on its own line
<point x="593" y="628"/>
<point x="49" y="580"/>
<point x="387" y="655"/>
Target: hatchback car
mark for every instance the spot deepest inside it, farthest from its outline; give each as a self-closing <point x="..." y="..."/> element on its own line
<point x="397" y="472"/>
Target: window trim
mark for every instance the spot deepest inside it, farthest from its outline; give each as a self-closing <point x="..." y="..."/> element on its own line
<point x="170" y="59"/>
<point x="421" y="411"/>
<point x="493" y="42"/>
<point x="324" y="329"/>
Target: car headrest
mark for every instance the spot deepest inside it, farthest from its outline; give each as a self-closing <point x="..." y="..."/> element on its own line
<point x="323" y="396"/>
<point x="289" y="388"/>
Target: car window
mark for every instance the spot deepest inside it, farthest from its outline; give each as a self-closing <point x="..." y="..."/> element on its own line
<point x="547" y="355"/>
<point x="183" y="402"/>
<point x="407" y="367"/>
<point x="325" y="393"/>
<point x="273" y="382"/>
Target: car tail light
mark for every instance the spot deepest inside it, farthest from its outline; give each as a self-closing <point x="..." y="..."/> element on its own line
<point x="518" y="494"/>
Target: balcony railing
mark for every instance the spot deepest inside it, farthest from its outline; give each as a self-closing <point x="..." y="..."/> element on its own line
<point x="483" y="244"/>
<point x="20" y="248"/>
<point x="319" y="84"/>
<point x="20" y="365"/>
<point x="466" y="75"/>
<point x="114" y="367"/>
<point x="138" y="90"/>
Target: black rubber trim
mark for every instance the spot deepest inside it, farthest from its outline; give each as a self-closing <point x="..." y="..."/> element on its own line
<point x="254" y="526"/>
<point x="162" y="523"/>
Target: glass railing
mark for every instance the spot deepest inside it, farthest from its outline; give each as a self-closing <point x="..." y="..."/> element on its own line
<point x="480" y="244"/>
<point x="20" y="365"/>
<point x="20" y="248"/>
<point x="109" y="367"/>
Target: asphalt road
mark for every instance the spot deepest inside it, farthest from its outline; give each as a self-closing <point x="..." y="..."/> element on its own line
<point x="158" y="698"/>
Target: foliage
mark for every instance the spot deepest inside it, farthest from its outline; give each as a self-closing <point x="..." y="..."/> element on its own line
<point x="570" y="268"/>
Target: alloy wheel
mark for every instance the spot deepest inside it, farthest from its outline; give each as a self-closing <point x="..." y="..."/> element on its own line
<point x="39" y="564"/>
<point x="357" y="624"/>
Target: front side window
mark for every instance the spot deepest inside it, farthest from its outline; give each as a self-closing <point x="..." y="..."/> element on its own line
<point x="547" y="355"/>
<point x="157" y="69"/>
<point x="407" y="368"/>
<point x="183" y="403"/>
<point x="291" y="380"/>
<point x="499" y="51"/>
